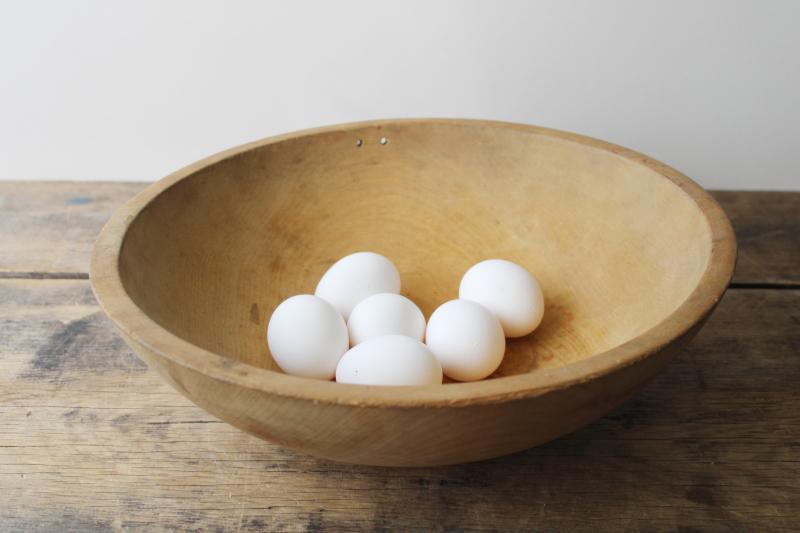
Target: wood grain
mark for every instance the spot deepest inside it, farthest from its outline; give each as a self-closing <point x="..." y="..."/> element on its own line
<point x="631" y="256"/>
<point x="767" y="226"/>
<point x="91" y="440"/>
<point x="47" y="229"/>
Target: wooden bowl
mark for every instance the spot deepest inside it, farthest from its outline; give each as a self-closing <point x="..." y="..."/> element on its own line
<point x="631" y="255"/>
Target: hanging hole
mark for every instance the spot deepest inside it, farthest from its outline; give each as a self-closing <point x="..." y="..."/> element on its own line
<point x="384" y="140"/>
<point x="359" y="142"/>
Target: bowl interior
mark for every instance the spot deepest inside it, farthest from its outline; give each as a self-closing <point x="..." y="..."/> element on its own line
<point x="616" y="246"/>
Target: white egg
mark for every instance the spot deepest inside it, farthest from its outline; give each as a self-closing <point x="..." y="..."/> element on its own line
<point x="307" y="337"/>
<point x="467" y="340"/>
<point x="507" y="290"/>
<point x="389" y="360"/>
<point x="385" y="314"/>
<point x="356" y="276"/>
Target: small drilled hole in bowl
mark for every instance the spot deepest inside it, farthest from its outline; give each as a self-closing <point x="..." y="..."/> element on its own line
<point x="359" y="142"/>
<point x="384" y="140"/>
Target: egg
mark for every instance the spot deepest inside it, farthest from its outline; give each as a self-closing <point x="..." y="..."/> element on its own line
<point x="467" y="340"/>
<point x="509" y="291"/>
<point x="389" y="360"/>
<point x="307" y="337"/>
<point x="385" y="314"/>
<point x="356" y="276"/>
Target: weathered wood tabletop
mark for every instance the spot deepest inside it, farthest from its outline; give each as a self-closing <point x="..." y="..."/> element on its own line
<point x="91" y="440"/>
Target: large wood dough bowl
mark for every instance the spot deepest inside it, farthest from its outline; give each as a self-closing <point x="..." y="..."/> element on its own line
<point x="631" y="254"/>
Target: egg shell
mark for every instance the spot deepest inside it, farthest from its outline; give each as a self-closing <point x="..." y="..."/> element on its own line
<point x="307" y="337"/>
<point x="385" y="314"/>
<point x="356" y="276"/>
<point x="392" y="360"/>
<point x="467" y="340"/>
<point x="509" y="291"/>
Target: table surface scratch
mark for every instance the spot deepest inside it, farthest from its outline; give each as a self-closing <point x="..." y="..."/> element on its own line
<point x="92" y="440"/>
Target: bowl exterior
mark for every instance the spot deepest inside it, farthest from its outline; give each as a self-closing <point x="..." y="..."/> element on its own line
<point x="411" y="436"/>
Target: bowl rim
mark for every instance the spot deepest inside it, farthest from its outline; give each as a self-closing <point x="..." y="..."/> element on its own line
<point x="142" y="330"/>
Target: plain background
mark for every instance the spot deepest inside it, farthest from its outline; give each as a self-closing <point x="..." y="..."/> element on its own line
<point x="132" y="91"/>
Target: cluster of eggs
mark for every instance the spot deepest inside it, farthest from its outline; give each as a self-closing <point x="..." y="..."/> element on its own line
<point x="358" y="328"/>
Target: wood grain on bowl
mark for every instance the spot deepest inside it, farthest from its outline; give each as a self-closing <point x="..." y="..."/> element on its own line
<point x="632" y="257"/>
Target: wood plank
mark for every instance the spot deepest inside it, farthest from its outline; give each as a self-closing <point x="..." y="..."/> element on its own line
<point x="91" y="440"/>
<point x="47" y="229"/>
<point x="767" y="226"/>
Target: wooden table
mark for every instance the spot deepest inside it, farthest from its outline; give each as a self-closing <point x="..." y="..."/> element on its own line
<point x="91" y="440"/>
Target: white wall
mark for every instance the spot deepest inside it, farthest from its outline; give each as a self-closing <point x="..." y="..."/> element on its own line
<point x="131" y="91"/>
